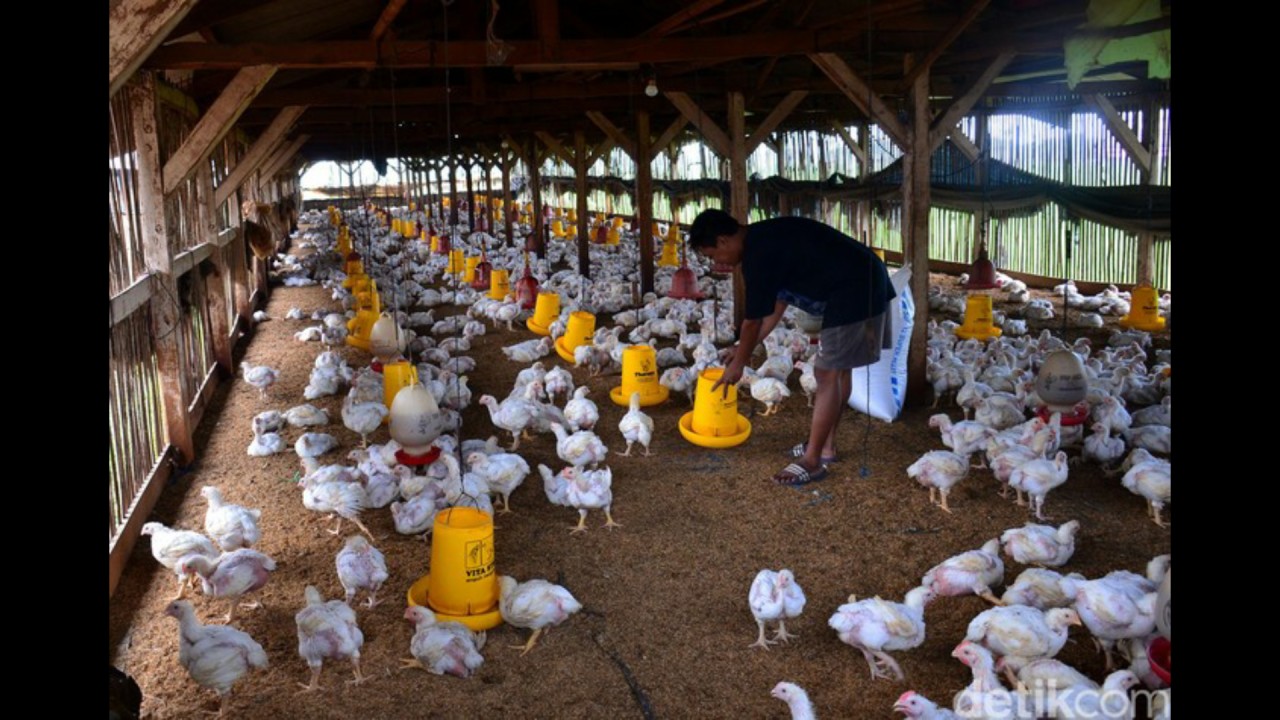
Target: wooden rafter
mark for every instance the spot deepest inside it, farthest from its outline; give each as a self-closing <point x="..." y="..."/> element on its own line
<point x="137" y="28"/>
<point x="614" y="133"/>
<point x="975" y="9"/>
<point x="263" y="146"/>
<point x="515" y="145"/>
<point x="602" y="148"/>
<point x="859" y="93"/>
<point x="289" y="152"/>
<point x="775" y="118"/>
<point x="849" y="142"/>
<point x="1128" y="138"/>
<point x="964" y="144"/>
<point x="711" y="132"/>
<point x="215" y="123"/>
<point x="941" y="127"/>
<point x="667" y="136"/>
<point x="551" y="142"/>
<point x="547" y="17"/>
<point x="680" y="18"/>
<point x="387" y="17"/>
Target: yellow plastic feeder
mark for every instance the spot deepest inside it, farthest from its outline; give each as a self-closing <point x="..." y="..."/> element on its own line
<point x="360" y="327"/>
<point x="618" y="223"/>
<point x="572" y="215"/>
<point x="499" y="284"/>
<point x="395" y="377"/>
<point x="670" y="255"/>
<point x="557" y="228"/>
<point x="469" y="268"/>
<point x="544" y="313"/>
<point x="639" y="374"/>
<point x="879" y="253"/>
<point x="1144" y="310"/>
<point x="457" y="262"/>
<point x="353" y="267"/>
<point x="614" y="237"/>
<point x="673" y="233"/>
<point x="579" y="330"/>
<point x="572" y="233"/>
<point x="977" y="319"/>
<point x="714" y="421"/>
<point x="463" y="583"/>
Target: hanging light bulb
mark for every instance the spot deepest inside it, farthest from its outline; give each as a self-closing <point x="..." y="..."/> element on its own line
<point x="651" y="88"/>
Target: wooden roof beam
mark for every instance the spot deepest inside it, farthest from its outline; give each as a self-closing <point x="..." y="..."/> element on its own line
<point x="710" y="131"/>
<point x="551" y="142"/>
<point x="971" y="14"/>
<point x="387" y="17"/>
<point x="667" y="136"/>
<point x="283" y="156"/>
<point x="613" y="132"/>
<point x="1128" y="138"/>
<point x="681" y="17"/>
<point x="137" y="28"/>
<point x="216" y="123"/>
<point x="941" y="127"/>
<point x="602" y="148"/>
<point x="775" y="118"/>
<point x="849" y="142"/>
<point x="964" y="144"/>
<point x="266" y="142"/>
<point x="859" y="93"/>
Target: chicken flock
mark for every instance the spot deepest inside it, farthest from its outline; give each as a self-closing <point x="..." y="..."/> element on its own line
<point x="1014" y="642"/>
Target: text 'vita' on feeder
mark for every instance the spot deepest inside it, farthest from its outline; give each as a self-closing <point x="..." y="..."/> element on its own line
<point x="1144" y="310"/>
<point x="578" y="331"/>
<point x="499" y="285"/>
<point x="715" y="421"/>
<point x="978" y="319"/>
<point x="545" y="311"/>
<point x="639" y="375"/>
<point x="463" y="584"/>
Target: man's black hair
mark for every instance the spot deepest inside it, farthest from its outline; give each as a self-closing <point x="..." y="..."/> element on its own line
<point x="710" y="224"/>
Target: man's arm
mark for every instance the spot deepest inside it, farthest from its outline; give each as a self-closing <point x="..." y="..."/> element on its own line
<point x="752" y="332"/>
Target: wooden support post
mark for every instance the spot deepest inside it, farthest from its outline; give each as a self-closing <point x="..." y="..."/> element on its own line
<point x="137" y="28"/>
<point x="915" y="215"/>
<point x="166" y="315"/>
<point x="216" y="279"/>
<point x="644" y="201"/>
<point x="1150" y="176"/>
<point x="980" y="217"/>
<point x="535" y="187"/>
<point x="738" y="191"/>
<point x="471" y="199"/>
<point x="580" y="187"/>
<point x="506" y="197"/>
<point x="453" y="195"/>
<point x="215" y="123"/>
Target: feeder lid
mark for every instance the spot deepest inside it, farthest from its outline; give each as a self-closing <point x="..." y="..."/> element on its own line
<point x="982" y="274"/>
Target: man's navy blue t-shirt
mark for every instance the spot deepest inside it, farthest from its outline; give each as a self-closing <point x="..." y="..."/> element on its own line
<point x="814" y="267"/>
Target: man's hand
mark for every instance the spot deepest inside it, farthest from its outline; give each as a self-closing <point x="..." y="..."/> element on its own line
<point x="732" y="374"/>
<point x="726" y="354"/>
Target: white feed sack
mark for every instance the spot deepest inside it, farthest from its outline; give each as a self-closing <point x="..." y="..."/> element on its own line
<point x="883" y="396"/>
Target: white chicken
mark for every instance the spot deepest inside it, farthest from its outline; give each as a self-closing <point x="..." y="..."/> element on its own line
<point x="589" y="490"/>
<point x="1037" y="478"/>
<point x="313" y="445"/>
<point x="875" y="627"/>
<point x="361" y="566"/>
<point x="170" y="545"/>
<point x="985" y="697"/>
<point x="678" y="379"/>
<point x="363" y="418"/>
<point x="557" y="382"/>
<point x="1112" y="609"/>
<point x="232" y="575"/>
<point x="1021" y="634"/>
<point x="268" y="421"/>
<point x="415" y="515"/>
<point x="513" y="415"/>
<point x="581" y="448"/>
<point x="1101" y="447"/>
<point x="796" y="698"/>
<point x="1152" y="478"/>
<point x="327" y="631"/>
<point x="973" y="572"/>
<point x="775" y="596"/>
<point x="216" y="656"/>
<point x="965" y="437"/>
<point x="1008" y="458"/>
<point x="534" y="605"/>
<point x="528" y="351"/>
<point x="581" y="412"/>
<point x="767" y="390"/>
<point x="1038" y="588"/>
<point x="306" y="415"/>
<point x="1161" y="414"/>
<point x="554" y="485"/>
<point x="808" y="381"/>
<point x="635" y="426"/>
<point x="266" y="444"/>
<point x="1041" y="544"/>
<point x="344" y="499"/>
<point x="259" y="376"/>
<point x="502" y="472"/>
<point x="939" y="470"/>
<point x="232" y="526"/>
<point x="442" y="648"/>
<point x="918" y="707"/>
<point x="1153" y="438"/>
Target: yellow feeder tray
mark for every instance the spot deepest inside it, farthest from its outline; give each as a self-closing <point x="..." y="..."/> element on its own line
<point x="457" y="262"/>
<point x="499" y="284"/>
<point x="360" y="327"/>
<point x="580" y="327"/>
<point x="639" y="374"/>
<point x="714" y="421"/>
<point x="1144" y="310"/>
<point x="463" y="586"/>
<point x="545" y="309"/>
<point x="977" y="320"/>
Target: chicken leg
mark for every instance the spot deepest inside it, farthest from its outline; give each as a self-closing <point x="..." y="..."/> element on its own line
<point x="760" y="640"/>
<point x="886" y="661"/>
<point x="315" y="680"/>
<point x="360" y="677"/>
<point x="371" y="601"/>
<point x="582" y="523"/>
<point x="533" y="640"/>
<point x="782" y="634"/>
<point x="874" y="664"/>
<point x="609" y="523"/>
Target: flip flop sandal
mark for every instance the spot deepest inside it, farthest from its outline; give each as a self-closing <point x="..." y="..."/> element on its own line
<point x="797" y="451"/>
<point x="795" y="474"/>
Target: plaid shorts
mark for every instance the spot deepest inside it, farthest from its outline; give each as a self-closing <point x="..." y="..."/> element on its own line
<point x="855" y="345"/>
